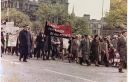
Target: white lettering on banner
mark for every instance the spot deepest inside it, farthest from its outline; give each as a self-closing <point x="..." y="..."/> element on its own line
<point x="61" y="31"/>
<point x="54" y="26"/>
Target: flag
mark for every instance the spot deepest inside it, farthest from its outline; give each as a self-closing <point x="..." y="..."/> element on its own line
<point x="58" y="30"/>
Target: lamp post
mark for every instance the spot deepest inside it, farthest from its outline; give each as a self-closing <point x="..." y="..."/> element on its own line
<point x="102" y="8"/>
<point x="102" y="17"/>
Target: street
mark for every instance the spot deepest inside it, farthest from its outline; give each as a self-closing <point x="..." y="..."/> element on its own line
<point x="11" y="70"/>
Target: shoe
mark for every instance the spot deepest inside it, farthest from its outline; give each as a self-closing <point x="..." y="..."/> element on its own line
<point x="81" y="64"/>
<point x="47" y="58"/>
<point x="88" y="64"/>
<point x="97" y="65"/>
<point x="53" y="58"/>
<point x="19" y="59"/>
<point x="120" y="71"/>
<point x="24" y="61"/>
<point x="107" y="65"/>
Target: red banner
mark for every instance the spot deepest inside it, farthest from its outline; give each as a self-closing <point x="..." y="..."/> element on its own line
<point x="64" y="30"/>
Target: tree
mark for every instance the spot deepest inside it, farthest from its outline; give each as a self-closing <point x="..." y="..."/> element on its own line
<point x="52" y="12"/>
<point x="81" y="27"/>
<point x="37" y="26"/>
<point x="18" y="17"/>
<point x="117" y="17"/>
<point x="71" y="19"/>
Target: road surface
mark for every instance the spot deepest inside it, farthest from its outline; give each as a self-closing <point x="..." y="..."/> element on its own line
<point x="11" y="70"/>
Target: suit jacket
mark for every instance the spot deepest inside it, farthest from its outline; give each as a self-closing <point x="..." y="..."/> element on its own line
<point x="40" y="41"/>
<point x="95" y="47"/>
<point x="25" y="42"/>
<point x="85" y="45"/>
<point x="25" y="38"/>
<point x="122" y="46"/>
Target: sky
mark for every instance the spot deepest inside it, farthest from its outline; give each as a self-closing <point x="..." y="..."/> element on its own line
<point x="92" y="7"/>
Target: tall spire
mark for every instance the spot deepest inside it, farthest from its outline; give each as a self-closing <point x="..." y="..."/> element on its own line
<point x="73" y="13"/>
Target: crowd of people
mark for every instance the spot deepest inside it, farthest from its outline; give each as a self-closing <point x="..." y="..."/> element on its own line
<point x="98" y="50"/>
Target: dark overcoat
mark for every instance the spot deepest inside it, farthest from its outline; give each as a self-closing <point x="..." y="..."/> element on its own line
<point x="25" y="42"/>
<point x="122" y="48"/>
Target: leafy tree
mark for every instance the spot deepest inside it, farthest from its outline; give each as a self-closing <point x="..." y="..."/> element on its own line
<point x="117" y="17"/>
<point x="18" y="17"/>
<point x="37" y="25"/>
<point x="72" y="20"/>
<point x="81" y="27"/>
<point x="51" y="12"/>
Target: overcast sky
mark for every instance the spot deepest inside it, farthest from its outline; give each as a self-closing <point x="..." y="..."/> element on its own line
<point x="92" y="7"/>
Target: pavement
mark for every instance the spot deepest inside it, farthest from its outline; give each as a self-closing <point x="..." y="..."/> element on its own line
<point x="12" y="70"/>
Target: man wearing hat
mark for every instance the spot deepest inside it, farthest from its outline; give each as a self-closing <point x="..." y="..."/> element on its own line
<point x="25" y="42"/>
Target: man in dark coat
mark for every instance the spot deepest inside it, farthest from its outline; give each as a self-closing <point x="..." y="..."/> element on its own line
<point x="25" y="43"/>
<point x="85" y="50"/>
<point x="122" y="49"/>
<point x="95" y="49"/>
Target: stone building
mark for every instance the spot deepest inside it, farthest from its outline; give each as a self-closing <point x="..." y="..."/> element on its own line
<point x="61" y="2"/>
<point x="95" y="26"/>
<point x="30" y="6"/>
<point x="26" y="6"/>
<point x="112" y="31"/>
<point x="86" y="17"/>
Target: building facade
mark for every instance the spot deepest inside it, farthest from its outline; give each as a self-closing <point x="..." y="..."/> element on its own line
<point x="61" y="2"/>
<point x="26" y="6"/>
<point x="95" y="26"/>
<point x="29" y="6"/>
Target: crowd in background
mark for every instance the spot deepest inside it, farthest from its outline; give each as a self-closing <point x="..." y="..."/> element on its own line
<point x="82" y="49"/>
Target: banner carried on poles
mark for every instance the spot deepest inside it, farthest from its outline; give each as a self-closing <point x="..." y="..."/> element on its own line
<point x="53" y="29"/>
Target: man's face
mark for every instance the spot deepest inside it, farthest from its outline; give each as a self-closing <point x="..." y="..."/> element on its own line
<point x="97" y="38"/>
<point x="28" y="28"/>
<point x="25" y="28"/>
<point x="125" y="34"/>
